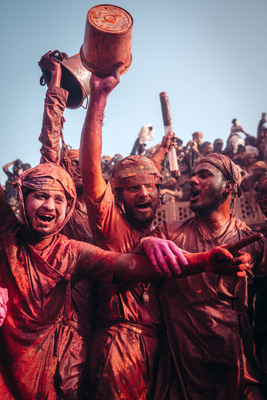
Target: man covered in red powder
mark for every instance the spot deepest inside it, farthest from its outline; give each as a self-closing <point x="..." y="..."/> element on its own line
<point x="79" y="326"/>
<point x="127" y="339"/>
<point x="38" y="268"/>
<point x="209" y="317"/>
<point x="128" y="324"/>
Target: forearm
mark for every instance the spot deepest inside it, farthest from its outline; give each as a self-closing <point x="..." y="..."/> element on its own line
<point x="55" y="103"/>
<point x="91" y="147"/>
<point x="135" y="267"/>
<point x="159" y="154"/>
<point x="5" y="167"/>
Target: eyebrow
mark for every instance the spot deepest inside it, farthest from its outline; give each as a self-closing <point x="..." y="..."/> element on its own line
<point x="201" y="170"/>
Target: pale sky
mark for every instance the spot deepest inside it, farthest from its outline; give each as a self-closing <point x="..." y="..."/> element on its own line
<point x="209" y="55"/>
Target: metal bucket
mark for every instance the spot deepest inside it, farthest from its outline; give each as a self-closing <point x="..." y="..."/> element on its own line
<point x="76" y="80"/>
<point x="107" y="39"/>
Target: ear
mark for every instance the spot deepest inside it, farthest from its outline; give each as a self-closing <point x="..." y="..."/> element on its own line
<point x="227" y="186"/>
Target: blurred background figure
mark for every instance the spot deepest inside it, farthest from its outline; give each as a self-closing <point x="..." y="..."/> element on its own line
<point x="145" y="134"/>
<point x="10" y="191"/>
<point x="218" y="146"/>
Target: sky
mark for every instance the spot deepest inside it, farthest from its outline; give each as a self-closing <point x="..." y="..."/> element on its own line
<point x="209" y="55"/>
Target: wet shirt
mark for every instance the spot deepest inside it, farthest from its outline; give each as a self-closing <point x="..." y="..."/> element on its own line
<point x="111" y="231"/>
<point x="37" y="288"/>
<point x="202" y="315"/>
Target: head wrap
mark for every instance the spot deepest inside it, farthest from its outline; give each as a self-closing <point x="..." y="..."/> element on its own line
<point x="259" y="165"/>
<point x="133" y="171"/>
<point x="227" y="167"/>
<point x="67" y="156"/>
<point x="72" y="154"/>
<point x="47" y="176"/>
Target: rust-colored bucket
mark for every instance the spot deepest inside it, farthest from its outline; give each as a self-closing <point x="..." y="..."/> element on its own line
<point x="107" y="39"/>
<point x="76" y="80"/>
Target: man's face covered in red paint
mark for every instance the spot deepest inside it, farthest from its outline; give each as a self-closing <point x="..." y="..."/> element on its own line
<point x="214" y="177"/>
<point x="47" y="198"/>
<point x="135" y="181"/>
<point x="45" y="211"/>
<point x="206" y="187"/>
<point x="141" y="202"/>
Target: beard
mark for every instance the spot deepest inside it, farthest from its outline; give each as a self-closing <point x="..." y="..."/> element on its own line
<point x="133" y="214"/>
<point x="211" y="203"/>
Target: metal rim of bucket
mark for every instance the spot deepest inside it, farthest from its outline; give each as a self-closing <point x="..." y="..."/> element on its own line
<point x="98" y="71"/>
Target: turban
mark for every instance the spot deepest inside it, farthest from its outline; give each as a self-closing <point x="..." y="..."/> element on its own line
<point x="227" y="167"/>
<point x="67" y="157"/>
<point x="259" y="165"/>
<point x="72" y="154"/>
<point x="134" y="171"/>
<point x="47" y="176"/>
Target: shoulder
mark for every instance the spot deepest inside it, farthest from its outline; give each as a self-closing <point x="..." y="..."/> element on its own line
<point x="256" y="248"/>
<point x="173" y="226"/>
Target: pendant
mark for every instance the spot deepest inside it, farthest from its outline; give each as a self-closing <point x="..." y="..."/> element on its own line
<point x="146" y="297"/>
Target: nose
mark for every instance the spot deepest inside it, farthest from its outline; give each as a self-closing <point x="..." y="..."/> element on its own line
<point x="49" y="204"/>
<point x="194" y="180"/>
<point x="143" y="191"/>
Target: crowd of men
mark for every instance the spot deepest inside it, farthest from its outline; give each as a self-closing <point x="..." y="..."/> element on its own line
<point x="94" y="304"/>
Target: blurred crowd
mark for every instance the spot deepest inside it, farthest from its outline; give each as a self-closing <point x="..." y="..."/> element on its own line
<point x="248" y="151"/>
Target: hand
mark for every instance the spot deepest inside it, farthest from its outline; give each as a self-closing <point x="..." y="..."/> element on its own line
<point x="221" y="261"/>
<point x="191" y="144"/>
<point x="228" y="259"/>
<point x="105" y="85"/>
<point x="169" y="141"/>
<point x="48" y="63"/>
<point x="160" y="252"/>
<point x="263" y="118"/>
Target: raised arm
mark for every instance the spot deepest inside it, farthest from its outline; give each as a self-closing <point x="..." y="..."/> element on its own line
<point x="167" y="142"/>
<point x="91" y="139"/>
<point x="55" y="103"/>
<point x="6" y="170"/>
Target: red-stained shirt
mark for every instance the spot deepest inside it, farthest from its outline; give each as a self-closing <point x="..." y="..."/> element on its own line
<point x="112" y="231"/>
<point x="205" y="317"/>
<point x="37" y="286"/>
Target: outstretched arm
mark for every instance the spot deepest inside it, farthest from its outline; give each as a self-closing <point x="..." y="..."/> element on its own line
<point x="224" y="260"/>
<point x="91" y="139"/>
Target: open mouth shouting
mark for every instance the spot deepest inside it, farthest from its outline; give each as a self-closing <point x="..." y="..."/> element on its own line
<point x="144" y="206"/>
<point x="194" y="193"/>
<point x="46" y="218"/>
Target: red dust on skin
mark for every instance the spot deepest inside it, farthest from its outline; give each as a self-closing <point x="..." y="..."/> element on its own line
<point x="141" y="202"/>
<point x="206" y="185"/>
<point x="45" y="211"/>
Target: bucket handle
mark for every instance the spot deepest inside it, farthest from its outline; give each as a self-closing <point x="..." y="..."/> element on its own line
<point x="85" y="107"/>
<point x="58" y="55"/>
